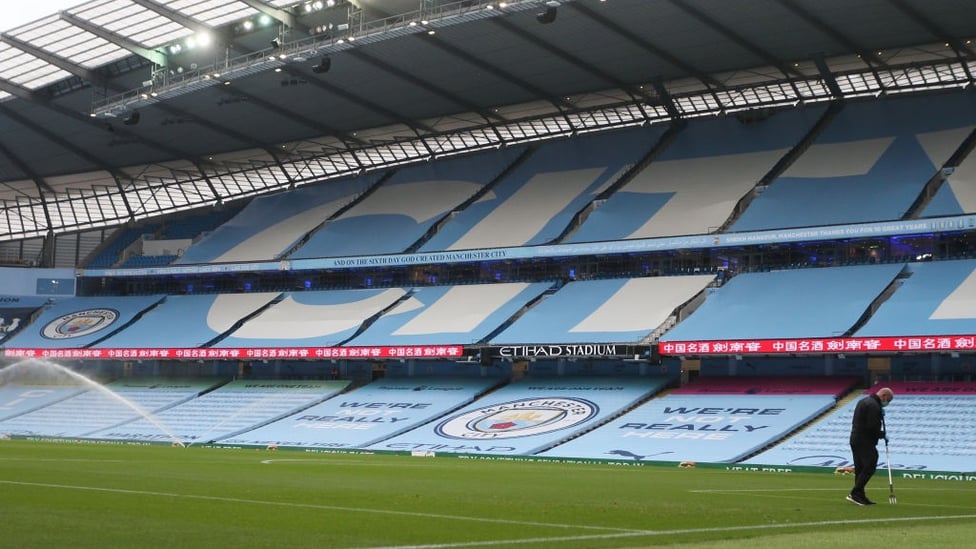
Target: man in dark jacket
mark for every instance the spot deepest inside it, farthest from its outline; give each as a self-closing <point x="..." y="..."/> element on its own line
<point x="867" y="428"/>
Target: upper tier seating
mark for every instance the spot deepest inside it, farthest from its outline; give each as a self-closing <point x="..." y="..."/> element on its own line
<point x="694" y="185"/>
<point x="537" y="202"/>
<point x="622" y="310"/>
<point x="957" y="194"/>
<point x="450" y="315"/>
<point x="400" y="212"/>
<point x="939" y="298"/>
<point x="823" y="302"/>
<point x="870" y="164"/>
<point x="187" y="321"/>
<point x="271" y="225"/>
<point x="192" y="226"/>
<point x="112" y="251"/>
<point x="315" y="318"/>
<point x="77" y="322"/>
<point x="17" y="313"/>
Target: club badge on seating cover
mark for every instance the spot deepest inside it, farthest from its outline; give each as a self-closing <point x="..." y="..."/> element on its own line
<point x="79" y="323"/>
<point x="519" y="418"/>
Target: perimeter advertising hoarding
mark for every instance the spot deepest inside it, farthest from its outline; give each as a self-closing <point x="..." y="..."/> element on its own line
<point x="251" y="353"/>
<point x="811" y="346"/>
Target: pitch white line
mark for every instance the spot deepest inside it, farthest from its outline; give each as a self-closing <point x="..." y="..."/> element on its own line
<point x="416" y="464"/>
<point x="736" y="490"/>
<point x="841" y="490"/>
<point x="652" y="533"/>
<point x="609" y="533"/>
<point x="784" y="493"/>
<point x="317" y="506"/>
<point x="60" y="460"/>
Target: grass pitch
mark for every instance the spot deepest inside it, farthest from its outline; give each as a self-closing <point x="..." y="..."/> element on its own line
<point x="83" y="495"/>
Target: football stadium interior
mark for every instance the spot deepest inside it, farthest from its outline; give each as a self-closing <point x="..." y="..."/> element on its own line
<point x="689" y="231"/>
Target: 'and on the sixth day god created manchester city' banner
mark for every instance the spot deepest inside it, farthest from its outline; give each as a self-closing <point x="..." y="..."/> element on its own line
<point x="526" y="416"/>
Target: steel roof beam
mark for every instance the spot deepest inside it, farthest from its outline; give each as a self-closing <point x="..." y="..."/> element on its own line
<point x="39" y="181"/>
<point x="291" y="115"/>
<point x="644" y="44"/>
<point x="500" y="73"/>
<point x="828" y="77"/>
<point x="958" y="45"/>
<point x="95" y="78"/>
<point x="123" y="42"/>
<point x="19" y="91"/>
<point x="67" y="145"/>
<point x="78" y="117"/>
<point x="419" y="82"/>
<point x="349" y="96"/>
<point x="867" y="55"/>
<point x="735" y="37"/>
<point x="52" y="59"/>
<point x="571" y="59"/>
<point x="62" y="142"/>
<point x="173" y="15"/>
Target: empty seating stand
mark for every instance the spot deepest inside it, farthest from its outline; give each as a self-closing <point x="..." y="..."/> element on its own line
<point x="526" y="416"/>
<point x="366" y="415"/>
<point x="230" y="409"/>
<point x="718" y="420"/>
<point x="929" y="426"/>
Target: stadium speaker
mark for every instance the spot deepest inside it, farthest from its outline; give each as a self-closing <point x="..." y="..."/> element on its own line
<point x="547" y="16"/>
<point x="324" y="65"/>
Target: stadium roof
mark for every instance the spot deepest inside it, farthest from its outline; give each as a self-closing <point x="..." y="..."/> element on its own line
<point x="115" y="110"/>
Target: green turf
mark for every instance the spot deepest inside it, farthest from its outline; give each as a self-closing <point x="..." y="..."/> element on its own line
<point x="83" y="495"/>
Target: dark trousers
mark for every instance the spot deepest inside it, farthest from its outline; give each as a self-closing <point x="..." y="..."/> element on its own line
<point x="865" y="464"/>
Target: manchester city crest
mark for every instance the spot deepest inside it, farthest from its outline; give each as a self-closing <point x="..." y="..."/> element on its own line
<point x="519" y="418"/>
<point x="79" y="323"/>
